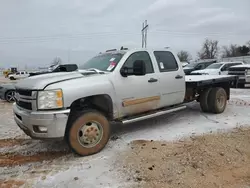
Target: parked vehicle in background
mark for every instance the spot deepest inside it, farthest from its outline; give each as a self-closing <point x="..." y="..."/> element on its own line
<point x="243" y="71"/>
<point x="7" y="92"/>
<point x="121" y="86"/>
<point x="200" y="65"/>
<point x="19" y="75"/>
<point x="184" y="64"/>
<point x="57" y="68"/>
<point x="12" y="70"/>
<point x="216" y="68"/>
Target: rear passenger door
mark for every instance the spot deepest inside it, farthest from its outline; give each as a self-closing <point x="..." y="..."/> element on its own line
<point x="171" y="78"/>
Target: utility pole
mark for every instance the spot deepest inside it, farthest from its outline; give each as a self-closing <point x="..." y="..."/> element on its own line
<point x="69" y="50"/>
<point x="144" y="33"/>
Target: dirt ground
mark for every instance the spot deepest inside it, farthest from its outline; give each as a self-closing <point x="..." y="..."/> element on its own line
<point x="211" y="161"/>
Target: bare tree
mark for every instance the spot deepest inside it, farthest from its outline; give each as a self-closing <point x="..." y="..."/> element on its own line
<point x="209" y="49"/>
<point x="184" y="56"/>
<point x="230" y="51"/>
<point x="243" y="50"/>
<point x="248" y="43"/>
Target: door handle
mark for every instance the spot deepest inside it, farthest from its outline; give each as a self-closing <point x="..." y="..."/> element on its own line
<point x="152" y="80"/>
<point x="178" y="77"/>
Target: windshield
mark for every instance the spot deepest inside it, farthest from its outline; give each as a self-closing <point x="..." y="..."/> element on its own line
<point x="214" y="66"/>
<point x="103" y="62"/>
<point x="191" y="65"/>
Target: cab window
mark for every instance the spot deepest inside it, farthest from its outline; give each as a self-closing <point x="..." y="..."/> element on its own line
<point x="144" y="56"/>
<point x="166" y="61"/>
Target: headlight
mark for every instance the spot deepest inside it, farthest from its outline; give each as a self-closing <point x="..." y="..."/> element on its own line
<point x="50" y="99"/>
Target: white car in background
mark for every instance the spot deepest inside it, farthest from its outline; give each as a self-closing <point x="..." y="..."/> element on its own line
<point x="216" y="68"/>
<point x="18" y="75"/>
<point x="184" y="63"/>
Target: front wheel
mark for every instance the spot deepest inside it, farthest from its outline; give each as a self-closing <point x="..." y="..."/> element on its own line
<point x="88" y="133"/>
<point x="10" y="96"/>
<point x="12" y="78"/>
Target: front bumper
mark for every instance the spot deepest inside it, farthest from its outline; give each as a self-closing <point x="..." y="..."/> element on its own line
<point x="53" y="123"/>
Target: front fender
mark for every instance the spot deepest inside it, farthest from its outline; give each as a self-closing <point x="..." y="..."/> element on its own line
<point x="85" y="87"/>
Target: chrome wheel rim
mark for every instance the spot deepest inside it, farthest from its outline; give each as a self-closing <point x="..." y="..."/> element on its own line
<point x="90" y="134"/>
<point x="10" y="96"/>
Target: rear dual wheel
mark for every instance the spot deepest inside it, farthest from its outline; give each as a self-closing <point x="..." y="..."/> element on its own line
<point x="213" y="100"/>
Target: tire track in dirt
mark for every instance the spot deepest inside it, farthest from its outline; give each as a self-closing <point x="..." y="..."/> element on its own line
<point x="10" y="158"/>
<point x="11" y="183"/>
<point x="11" y="142"/>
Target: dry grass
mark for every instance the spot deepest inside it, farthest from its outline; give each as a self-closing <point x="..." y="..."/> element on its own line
<point x="211" y="160"/>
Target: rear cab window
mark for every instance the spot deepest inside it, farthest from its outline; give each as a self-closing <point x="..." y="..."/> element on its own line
<point x="166" y="61"/>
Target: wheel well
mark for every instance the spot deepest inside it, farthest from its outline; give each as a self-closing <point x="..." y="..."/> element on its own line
<point x="102" y="103"/>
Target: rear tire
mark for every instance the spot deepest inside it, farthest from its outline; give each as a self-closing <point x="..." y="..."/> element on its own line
<point x="12" y="78"/>
<point x="217" y="100"/>
<point x="204" y="100"/>
<point x="88" y="132"/>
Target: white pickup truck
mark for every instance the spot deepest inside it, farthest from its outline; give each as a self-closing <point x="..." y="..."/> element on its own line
<point x="115" y="86"/>
<point x="18" y="75"/>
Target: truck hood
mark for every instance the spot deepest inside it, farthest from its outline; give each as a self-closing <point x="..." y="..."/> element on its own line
<point x="41" y="81"/>
<point x="207" y="71"/>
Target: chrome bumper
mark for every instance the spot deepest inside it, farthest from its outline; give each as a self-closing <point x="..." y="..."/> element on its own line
<point x="52" y="123"/>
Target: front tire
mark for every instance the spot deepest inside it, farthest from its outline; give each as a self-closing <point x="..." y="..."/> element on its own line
<point x="217" y="100"/>
<point x="88" y="133"/>
<point x="12" y="78"/>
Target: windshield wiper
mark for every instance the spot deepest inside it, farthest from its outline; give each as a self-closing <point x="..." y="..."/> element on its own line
<point x="96" y="70"/>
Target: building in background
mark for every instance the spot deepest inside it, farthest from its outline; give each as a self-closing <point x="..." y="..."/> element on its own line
<point x="245" y="59"/>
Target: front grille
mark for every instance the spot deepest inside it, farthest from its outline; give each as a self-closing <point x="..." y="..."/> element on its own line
<point x="237" y="69"/>
<point x="240" y="73"/>
<point x="25" y="105"/>
<point x="196" y="74"/>
<point x="24" y="92"/>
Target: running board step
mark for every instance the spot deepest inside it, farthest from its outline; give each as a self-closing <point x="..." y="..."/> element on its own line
<point x="158" y="113"/>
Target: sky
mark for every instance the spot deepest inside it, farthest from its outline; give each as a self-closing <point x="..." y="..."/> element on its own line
<point x="33" y="32"/>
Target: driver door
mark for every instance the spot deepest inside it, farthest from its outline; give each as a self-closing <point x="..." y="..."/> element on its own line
<point x="137" y="94"/>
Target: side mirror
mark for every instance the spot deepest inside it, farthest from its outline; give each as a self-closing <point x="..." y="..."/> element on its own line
<point x="139" y="69"/>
